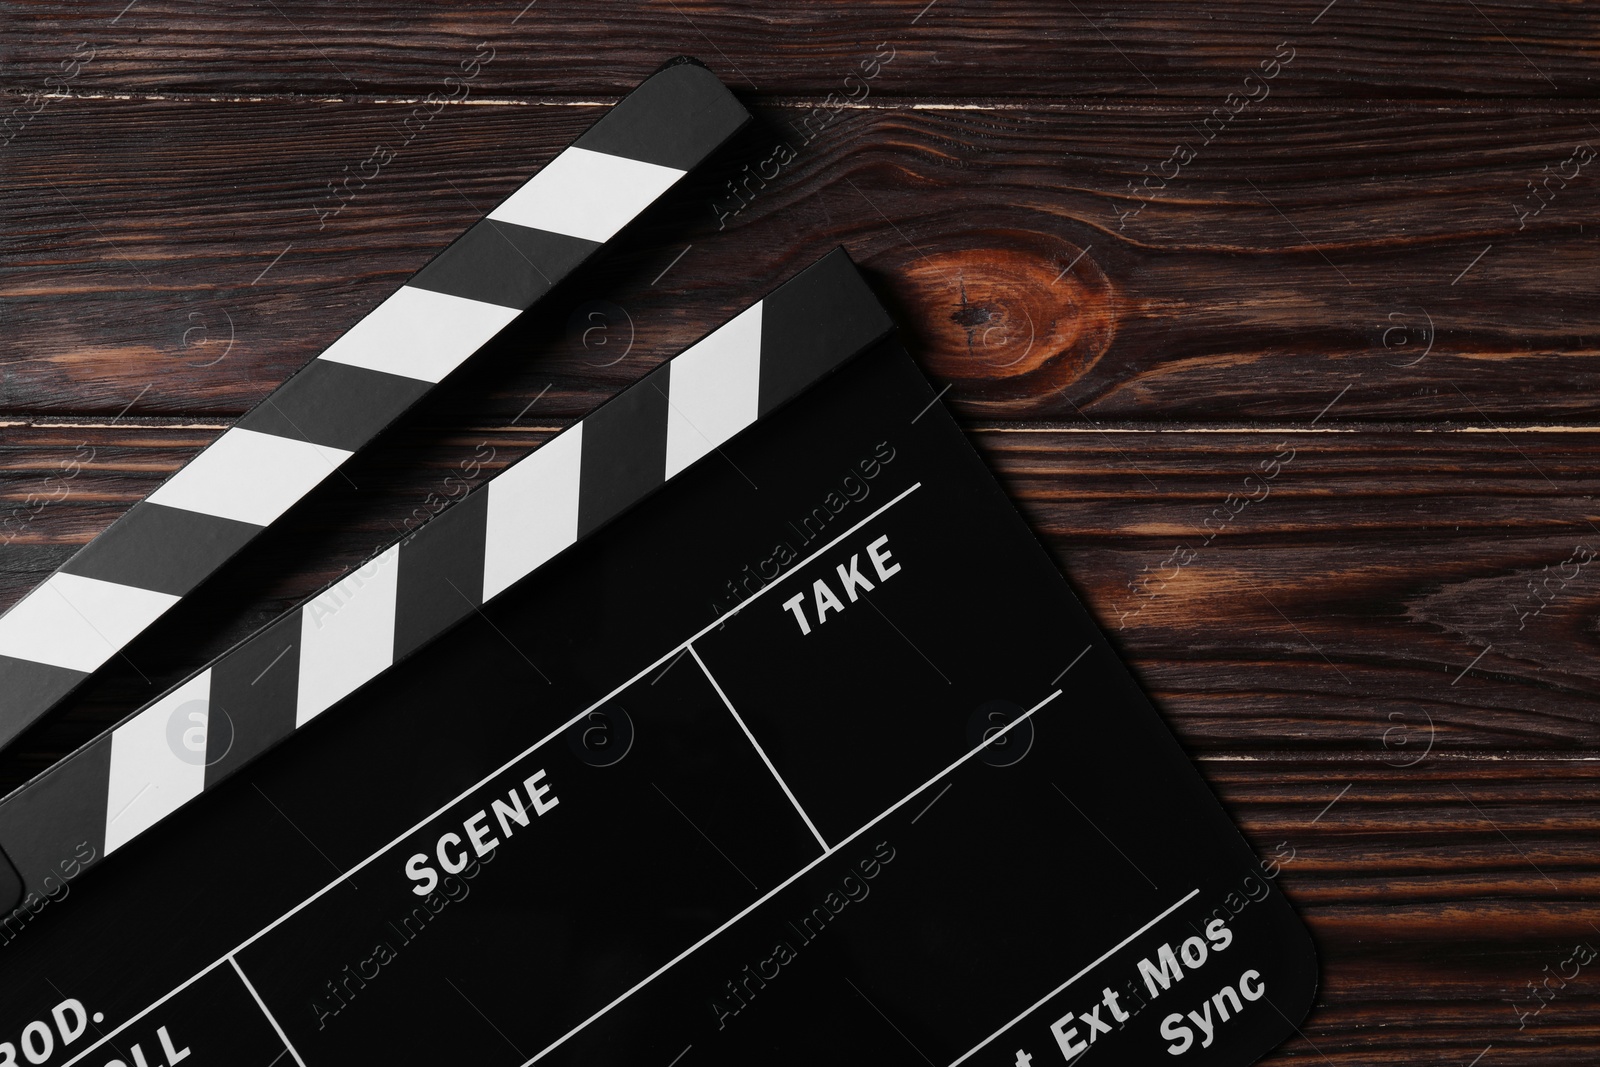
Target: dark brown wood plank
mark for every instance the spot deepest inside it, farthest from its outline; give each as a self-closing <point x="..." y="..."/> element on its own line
<point x="1437" y="893"/>
<point x="1344" y="589"/>
<point x="1155" y="48"/>
<point x="186" y="256"/>
<point x="1338" y="613"/>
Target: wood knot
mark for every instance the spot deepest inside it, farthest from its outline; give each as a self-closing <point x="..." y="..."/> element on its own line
<point x="1012" y="315"/>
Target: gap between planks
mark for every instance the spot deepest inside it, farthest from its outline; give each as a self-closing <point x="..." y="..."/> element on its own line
<point x="1178" y="105"/>
<point x="159" y="422"/>
<point x="1382" y="758"/>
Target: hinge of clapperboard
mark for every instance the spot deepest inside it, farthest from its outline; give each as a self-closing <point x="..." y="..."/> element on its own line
<point x="161" y="549"/>
<point x="130" y="777"/>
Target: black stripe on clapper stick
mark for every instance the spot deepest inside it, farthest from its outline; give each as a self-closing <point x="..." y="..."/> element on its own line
<point x="441" y="574"/>
<point x="255" y="688"/>
<point x="624" y="451"/>
<point x="155" y="554"/>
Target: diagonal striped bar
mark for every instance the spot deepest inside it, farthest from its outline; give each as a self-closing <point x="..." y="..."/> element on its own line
<point x="303" y="664"/>
<point x="162" y="548"/>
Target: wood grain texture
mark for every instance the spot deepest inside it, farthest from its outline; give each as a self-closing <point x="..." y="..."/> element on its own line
<point x="1438" y="893"/>
<point x="193" y="248"/>
<point x="1023" y="48"/>
<point x="1301" y="400"/>
<point x="1369" y="574"/>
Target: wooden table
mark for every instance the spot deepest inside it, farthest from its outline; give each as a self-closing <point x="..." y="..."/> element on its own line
<point x="1153" y="249"/>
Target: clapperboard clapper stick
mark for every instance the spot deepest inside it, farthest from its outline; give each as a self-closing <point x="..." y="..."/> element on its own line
<point x="810" y="757"/>
<point x="159" y="551"/>
<point x="288" y="673"/>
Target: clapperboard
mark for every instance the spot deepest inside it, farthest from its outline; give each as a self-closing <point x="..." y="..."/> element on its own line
<point x="742" y="722"/>
<point x="164" y="547"/>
